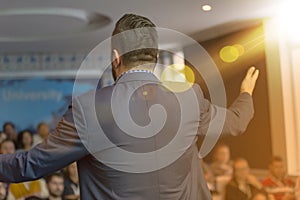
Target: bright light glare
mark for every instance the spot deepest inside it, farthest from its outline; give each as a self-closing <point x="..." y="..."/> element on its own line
<point x="177" y="81"/>
<point x="206" y="7"/>
<point x="289" y="19"/>
<point x="229" y="54"/>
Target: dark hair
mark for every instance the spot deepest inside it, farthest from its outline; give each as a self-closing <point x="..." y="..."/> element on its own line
<point x="275" y="159"/>
<point x="138" y="40"/>
<point x="7" y="140"/>
<point x="57" y="174"/>
<point x="20" y="138"/>
<point x="40" y="125"/>
<point x="7" y="124"/>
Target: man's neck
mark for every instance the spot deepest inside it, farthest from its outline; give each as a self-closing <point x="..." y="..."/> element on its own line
<point x="123" y="69"/>
<point x="151" y="69"/>
<point x="27" y="147"/>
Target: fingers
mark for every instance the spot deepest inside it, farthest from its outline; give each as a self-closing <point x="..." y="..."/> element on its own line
<point x="252" y="73"/>
<point x="255" y="75"/>
<point x="249" y="81"/>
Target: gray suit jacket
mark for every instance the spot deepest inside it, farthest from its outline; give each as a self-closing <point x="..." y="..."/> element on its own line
<point x="181" y="179"/>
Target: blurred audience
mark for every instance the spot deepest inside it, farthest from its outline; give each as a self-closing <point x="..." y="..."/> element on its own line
<point x="261" y="196"/>
<point x="297" y="189"/>
<point x="221" y="167"/>
<point x="277" y="184"/>
<point x="7" y="146"/>
<point x="10" y="131"/>
<point x="55" y="185"/>
<point x="2" y="136"/>
<point x="25" y="140"/>
<point x="221" y="164"/>
<point x="209" y="177"/>
<point x="3" y="191"/>
<point x="243" y="185"/>
<point x="226" y="179"/>
<point x="71" y="183"/>
<point x="20" y="191"/>
<point x="42" y="133"/>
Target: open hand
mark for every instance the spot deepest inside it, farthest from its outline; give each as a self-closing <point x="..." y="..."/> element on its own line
<point x="249" y="81"/>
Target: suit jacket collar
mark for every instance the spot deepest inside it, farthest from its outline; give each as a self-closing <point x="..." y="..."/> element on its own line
<point x="138" y="76"/>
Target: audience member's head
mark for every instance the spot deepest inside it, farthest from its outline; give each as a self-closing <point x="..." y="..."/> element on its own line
<point x="3" y="191"/>
<point x="43" y="130"/>
<point x="277" y="168"/>
<point x="55" y="185"/>
<point x="7" y="147"/>
<point x="71" y="170"/>
<point x="241" y="169"/>
<point x="3" y="136"/>
<point x="9" y="130"/>
<point x="221" y="154"/>
<point x="25" y="139"/>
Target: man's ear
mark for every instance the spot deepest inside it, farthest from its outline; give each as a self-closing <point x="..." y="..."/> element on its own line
<point x="116" y="60"/>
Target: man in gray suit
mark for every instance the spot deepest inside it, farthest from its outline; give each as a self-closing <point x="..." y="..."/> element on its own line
<point x="122" y="169"/>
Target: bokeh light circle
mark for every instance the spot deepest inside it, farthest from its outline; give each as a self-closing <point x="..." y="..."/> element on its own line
<point x="229" y="54"/>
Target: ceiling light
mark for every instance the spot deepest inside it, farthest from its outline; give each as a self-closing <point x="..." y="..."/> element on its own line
<point x="206" y="7"/>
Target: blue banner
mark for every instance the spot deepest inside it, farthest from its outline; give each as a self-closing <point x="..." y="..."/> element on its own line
<point x="27" y="102"/>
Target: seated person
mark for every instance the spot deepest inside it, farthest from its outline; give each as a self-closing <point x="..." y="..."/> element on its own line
<point x="3" y="191"/>
<point x="277" y="184"/>
<point x="297" y="189"/>
<point x="55" y="185"/>
<point x="42" y="133"/>
<point x="71" y="191"/>
<point x="261" y="196"/>
<point x="31" y="188"/>
<point x="7" y="146"/>
<point x="10" y="131"/>
<point x="22" y="190"/>
<point x="243" y="185"/>
<point x="221" y="164"/>
<point x="25" y="140"/>
<point x="2" y="136"/>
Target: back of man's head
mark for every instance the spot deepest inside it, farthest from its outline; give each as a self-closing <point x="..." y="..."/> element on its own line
<point x="138" y="33"/>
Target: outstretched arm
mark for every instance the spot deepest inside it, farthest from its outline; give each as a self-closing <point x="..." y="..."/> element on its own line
<point x="61" y="148"/>
<point x="238" y="115"/>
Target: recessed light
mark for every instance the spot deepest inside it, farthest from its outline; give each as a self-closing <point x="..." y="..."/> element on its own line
<point x="206" y="7"/>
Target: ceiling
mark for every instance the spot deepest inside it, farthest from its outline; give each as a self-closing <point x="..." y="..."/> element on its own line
<point x="75" y="25"/>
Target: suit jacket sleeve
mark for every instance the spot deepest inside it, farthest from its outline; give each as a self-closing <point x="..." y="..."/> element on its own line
<point x="62" y="147"/>
<point x="237" y="116"/>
